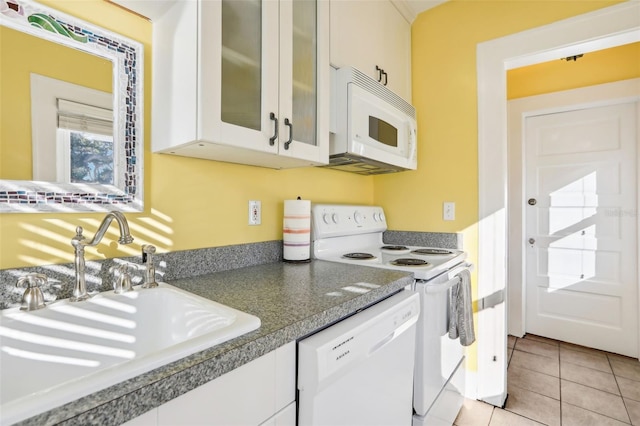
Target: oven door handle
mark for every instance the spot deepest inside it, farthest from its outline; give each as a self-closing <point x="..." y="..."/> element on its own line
<point x="452" y="280"/>
<point x="437" y="288"/>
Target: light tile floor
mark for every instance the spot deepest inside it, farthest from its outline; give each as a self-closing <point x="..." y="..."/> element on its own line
<point x="556" y="383"/>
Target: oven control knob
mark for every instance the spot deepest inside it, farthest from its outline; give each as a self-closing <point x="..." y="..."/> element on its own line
<point x="326" y="218"/>
<point x="335" y="218"/>
<point x="376" y="217"/>
<point x="381" y="217"/>
<point x="357" y="216"/>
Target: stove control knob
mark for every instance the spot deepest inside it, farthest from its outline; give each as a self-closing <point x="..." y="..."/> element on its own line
<point x="357" y="217"/>
<point x="326" y="218"/>
<point x="376" y="218"/>
<point x="335" y="218"/>
<point x="381" y="217"/>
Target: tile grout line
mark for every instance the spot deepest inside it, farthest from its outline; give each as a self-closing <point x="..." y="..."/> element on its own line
<point x="535" y="371"/>
<point x="600" y="414"/>
<point x="615" y="377"/>
<point x="493" y="410"/>
<point x="560" y="380"/>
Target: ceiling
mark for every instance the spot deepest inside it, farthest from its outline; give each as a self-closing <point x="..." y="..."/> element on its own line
<point x="153" y="9"/>
<point x="411" y="8"/>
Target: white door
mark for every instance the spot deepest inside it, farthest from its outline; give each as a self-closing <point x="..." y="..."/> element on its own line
<point x="581" y="227"/>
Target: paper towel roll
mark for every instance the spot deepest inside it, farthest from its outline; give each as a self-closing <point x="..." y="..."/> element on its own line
<point x="296" y="230"/>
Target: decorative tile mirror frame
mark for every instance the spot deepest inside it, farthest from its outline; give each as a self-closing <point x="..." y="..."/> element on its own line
<point x="22" y="196"/>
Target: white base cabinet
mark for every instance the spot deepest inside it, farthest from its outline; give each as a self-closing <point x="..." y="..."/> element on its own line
<point x="370" y="33"/>
<point x="285" y="417"/>
<point x="261" y="392"/>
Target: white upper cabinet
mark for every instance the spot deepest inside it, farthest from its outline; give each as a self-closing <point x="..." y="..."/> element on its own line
<point x="243" y="81"/>
<point x="370" y="33"/>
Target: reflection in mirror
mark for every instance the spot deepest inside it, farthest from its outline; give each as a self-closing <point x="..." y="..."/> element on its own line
<point x="70" y="114"/>
<point x="65" y="118"/>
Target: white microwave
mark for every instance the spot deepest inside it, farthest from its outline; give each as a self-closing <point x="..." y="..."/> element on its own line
<point x="375" y="130"/>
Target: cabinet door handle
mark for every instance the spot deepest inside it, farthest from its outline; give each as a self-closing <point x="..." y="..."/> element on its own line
<point x="272" y="139"/>
<point x="290" y="125"/>
<point x="379" y="71"/>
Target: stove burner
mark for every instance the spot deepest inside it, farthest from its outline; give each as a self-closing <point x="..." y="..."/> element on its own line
<point x="431" y="251"/>
<point x="359" y="256"/>
<point x="394" y="248"/>
<point x="409" y="262"/>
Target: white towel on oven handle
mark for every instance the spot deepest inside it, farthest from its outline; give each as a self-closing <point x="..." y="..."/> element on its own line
<point x="461" y="310"/>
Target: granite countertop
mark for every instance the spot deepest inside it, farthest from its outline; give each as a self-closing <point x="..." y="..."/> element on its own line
<point x="291" y="300"/>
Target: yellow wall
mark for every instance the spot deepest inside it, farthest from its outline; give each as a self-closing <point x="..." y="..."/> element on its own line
<point x="195" y="203"/>
<point x="189" y="203"/>
<point x="18" y="62"/>
<point x="603" y="66"/>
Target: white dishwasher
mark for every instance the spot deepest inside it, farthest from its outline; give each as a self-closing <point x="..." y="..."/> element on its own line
<point x="359" y="371"/>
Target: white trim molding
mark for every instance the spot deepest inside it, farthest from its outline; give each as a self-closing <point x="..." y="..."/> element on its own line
<point x="597" y="30"/>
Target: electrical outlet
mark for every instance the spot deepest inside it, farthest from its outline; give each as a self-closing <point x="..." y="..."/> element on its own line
<point x="449" y="210"/>
<point x="255" y="213"/>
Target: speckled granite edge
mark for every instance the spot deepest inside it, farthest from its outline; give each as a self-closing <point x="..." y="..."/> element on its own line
<point x="427" y="239"/>
<point x="169" y="266"/>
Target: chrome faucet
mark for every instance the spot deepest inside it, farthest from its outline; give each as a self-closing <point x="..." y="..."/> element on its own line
<point x="122" y="283"/>
<point x="79" y="242"/>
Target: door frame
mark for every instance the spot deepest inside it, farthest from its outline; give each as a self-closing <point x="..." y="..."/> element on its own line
<point x="607" y="27"/>
<point x="615" y="93"/>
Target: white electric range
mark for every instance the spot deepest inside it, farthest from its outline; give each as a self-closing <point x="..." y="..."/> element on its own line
<point x="353" y="234"/>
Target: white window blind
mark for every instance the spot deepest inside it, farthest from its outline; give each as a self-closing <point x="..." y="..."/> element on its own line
<point x="84" y="118"/>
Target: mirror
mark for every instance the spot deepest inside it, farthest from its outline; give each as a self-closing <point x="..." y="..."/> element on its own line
<point x="71" y="115"/>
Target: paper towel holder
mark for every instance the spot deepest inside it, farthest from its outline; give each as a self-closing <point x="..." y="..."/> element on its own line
<point x="296" y="224"/>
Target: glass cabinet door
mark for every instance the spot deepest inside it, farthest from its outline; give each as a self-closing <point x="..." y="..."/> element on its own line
<point x="241" y="88"/>
<point x="304" y="65"/>
<point x="270" y="84"/>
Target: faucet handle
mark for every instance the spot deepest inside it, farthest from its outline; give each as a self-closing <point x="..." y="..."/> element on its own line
<point x="32" y="298"/>
<point x="122" y="283"/>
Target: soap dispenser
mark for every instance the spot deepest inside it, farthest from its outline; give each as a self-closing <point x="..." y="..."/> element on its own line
<point x="32" y="298"/>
